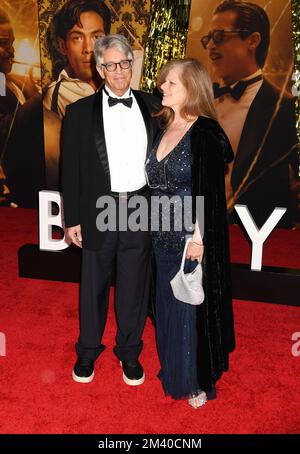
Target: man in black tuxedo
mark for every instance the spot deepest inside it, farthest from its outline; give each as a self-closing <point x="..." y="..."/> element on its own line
<point x="106" y="139"/>
<point x="258" y="119"/>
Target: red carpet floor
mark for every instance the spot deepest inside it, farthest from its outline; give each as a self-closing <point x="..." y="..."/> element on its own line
<point x="260" y="394"/>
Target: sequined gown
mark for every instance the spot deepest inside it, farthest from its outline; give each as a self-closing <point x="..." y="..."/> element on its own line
<point x="175" y="320"/>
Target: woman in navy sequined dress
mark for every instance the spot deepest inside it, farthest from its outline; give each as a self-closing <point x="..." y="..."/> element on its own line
<point x="185" y="346"/>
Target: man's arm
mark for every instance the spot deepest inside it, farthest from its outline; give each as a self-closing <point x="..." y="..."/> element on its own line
<point x="70" y="167"/>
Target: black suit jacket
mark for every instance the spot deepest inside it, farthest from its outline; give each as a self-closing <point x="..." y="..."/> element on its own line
<point x="8" y="104"/>
<point x="268" y="185"/>
<point x="85" y="169"/>
<point x="24" y="158"/>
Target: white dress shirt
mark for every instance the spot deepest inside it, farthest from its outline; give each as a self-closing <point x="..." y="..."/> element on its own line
<point x="70" y="90"/>
<point x="232" y="115"/>
<point x="126" y="143"/>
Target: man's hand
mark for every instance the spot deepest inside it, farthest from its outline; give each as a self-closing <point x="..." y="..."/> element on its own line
<point x="74" y="233"/>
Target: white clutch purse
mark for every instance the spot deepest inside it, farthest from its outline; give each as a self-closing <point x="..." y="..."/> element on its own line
<point x="188" y="287"/>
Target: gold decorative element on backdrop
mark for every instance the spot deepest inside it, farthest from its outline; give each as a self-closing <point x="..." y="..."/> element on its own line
<point x="296" y="76"/>
<point x="132" y="16"/>
<point x="167" y="37"/>
<point x="52" y="61"/>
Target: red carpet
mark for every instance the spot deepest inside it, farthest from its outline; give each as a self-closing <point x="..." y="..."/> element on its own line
<point x="260" y="394"/>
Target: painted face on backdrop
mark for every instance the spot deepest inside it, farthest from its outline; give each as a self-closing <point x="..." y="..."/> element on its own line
<point x="118" y="81"/>
<point x="174" y="92"/>
<point x="230" y="58"/>
<point x="79" y="45"/>
<point x="6" y="48"/>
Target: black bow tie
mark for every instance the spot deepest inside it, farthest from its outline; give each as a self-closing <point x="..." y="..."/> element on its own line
<point x="237" y="91"/>
<point x="113" y="101"/>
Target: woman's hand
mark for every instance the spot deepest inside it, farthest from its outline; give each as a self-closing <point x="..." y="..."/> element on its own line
<point x="195" y="251"/>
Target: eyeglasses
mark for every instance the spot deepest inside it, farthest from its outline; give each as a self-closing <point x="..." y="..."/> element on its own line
<point x="111" y="67"/>
<point x="218" y="36"/>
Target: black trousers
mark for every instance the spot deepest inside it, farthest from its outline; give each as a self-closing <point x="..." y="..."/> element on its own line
<point x="129" y="255"/>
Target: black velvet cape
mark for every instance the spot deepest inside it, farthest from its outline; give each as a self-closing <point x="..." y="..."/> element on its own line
<point x="211" y="150"/>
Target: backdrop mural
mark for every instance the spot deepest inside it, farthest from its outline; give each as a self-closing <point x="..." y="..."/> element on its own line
<point x="31" y="64"/>
<point x="261" y="124"/>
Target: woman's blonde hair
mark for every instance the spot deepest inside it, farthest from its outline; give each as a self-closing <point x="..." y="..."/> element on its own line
<point x="195" y="78"/>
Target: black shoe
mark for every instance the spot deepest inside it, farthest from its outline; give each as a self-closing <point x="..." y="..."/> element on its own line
<point x="133" y="373"/>
<point x="83" y="371"/>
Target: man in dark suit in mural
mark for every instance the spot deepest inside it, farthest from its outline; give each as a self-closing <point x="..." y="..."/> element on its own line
<point x="11" y="96"/>
<point x="77" y="25"/>
<point x="21" y="177"/>
<point x="258" y="119"/>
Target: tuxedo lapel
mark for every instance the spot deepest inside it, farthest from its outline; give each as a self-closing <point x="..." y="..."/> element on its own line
<point x="99" y="133"/>
<point x="147" y="118"/>
<point x="253" y="132"/>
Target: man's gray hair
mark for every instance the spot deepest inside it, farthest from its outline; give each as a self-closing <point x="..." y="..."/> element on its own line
<point x="118" y="42"/>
